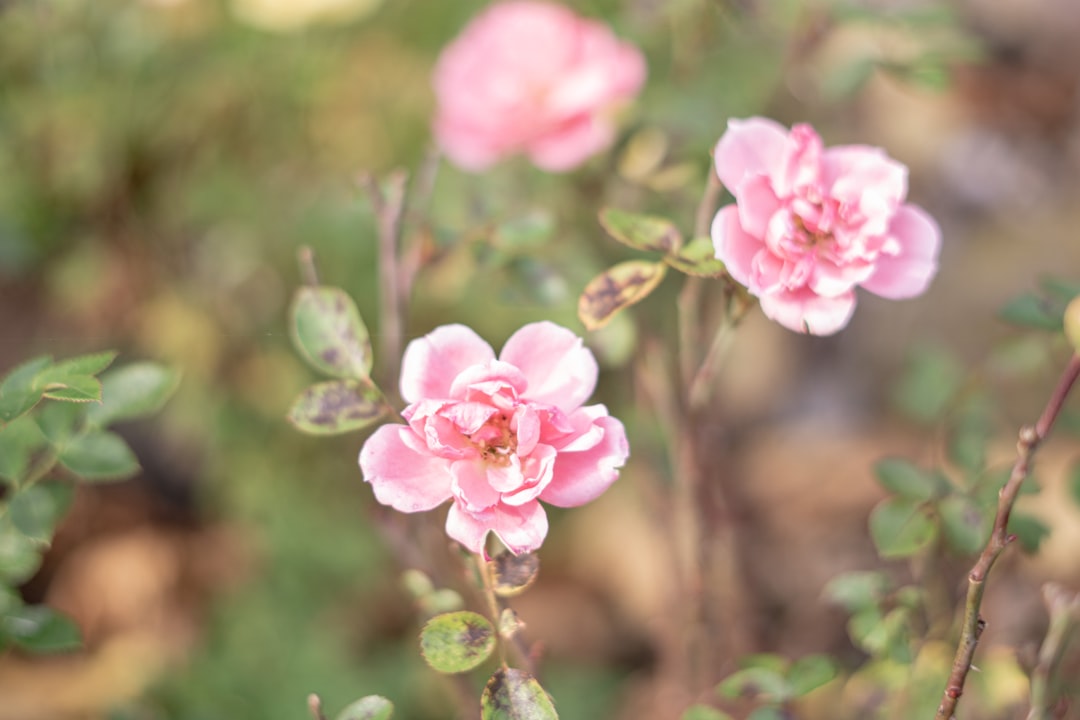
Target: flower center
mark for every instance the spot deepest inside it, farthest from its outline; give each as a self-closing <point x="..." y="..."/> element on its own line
<point x="496" y="441"/>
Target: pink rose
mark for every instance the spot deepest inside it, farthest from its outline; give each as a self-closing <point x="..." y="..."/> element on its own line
<point x="535" y="78"/>
<point x="496" y="435"/>
<point x="810" y="224"/>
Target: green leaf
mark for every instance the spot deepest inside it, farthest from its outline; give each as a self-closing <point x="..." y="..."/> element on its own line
<point x="513" y="694"/>
<point x="371" y="707"/>
<point x="526" y="232"/>
<point x="756" y="682"/>
<point x="513" y="574"/>
<point x="617" y="288"/>
<point x="971" y="433"/>
<point x="91" y="364"/>
<point x="928" y="385"/>
<point x="908" y="480"/>
<point x="75" y="389"/>
<point x="19" y="440"/>
<point x="99" y="455"/>
<point x="901" y="527"/>
<point x="965" y="525"/>
<point x="329" y="333"/>
<point x="1032" y="311"/>
<point x="642" y="232"/>
<point x="456" y="642"/>
<point x="768" y="661"/>
<point x="73" y="380"/>
<point x="880" y="636"/>
<point x="857" y="590"/>
<point x="18" y="395"/>
<point x="766" y="713"/>
<point x="698" y="258"/>
<point x="133" y="391"/>
<point x="41" y="629"/>
<point x="337" y="406"/>
<point x="1030" y="531"/>
<point x="809" y="673"/>
<point x="36" y="510"/>
<point x="57" y="421"/>
<point x="20" y="556"/>
<point x="704" y="712"/>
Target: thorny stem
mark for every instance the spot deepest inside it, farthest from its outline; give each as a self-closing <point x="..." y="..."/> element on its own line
<point x="1031" y="436"/>
<point x="388" y="203"/>
<point x="1064" y="609"/>
<point x="495" y="609"/>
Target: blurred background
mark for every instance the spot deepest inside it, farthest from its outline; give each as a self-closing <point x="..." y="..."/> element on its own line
<point x="161" y="161"/>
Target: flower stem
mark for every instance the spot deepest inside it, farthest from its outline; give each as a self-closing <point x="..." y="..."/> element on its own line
<point x="1031" y="436"/>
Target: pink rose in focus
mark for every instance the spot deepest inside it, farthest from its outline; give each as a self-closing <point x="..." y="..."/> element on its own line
<point x="535" y="78"/>
<point x="496" y="435"/>
<point x="810" y="224"/>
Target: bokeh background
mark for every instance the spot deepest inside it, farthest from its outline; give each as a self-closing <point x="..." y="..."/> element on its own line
<point x="161" y="161"/>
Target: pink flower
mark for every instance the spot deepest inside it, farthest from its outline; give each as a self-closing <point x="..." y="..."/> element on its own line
<point x="810" y="224"/>
<point x="535" y="78"/>
<point x="496" y="435"/>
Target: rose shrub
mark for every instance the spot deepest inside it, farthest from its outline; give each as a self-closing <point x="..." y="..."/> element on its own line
<point x="496" y="435"/>
<point x="535" y="78"/>
<point x="810" y="224"/>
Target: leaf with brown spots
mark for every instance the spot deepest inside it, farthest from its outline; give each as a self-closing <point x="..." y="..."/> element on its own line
<point x="329" y="333"/>
<point x="512" y="574"/>
<point x="697" y="258"/>
<point x="336" y="407"/>
<point x="513" y="694"/>
<point x="616" y="288"/>
<point x="457" y="641"/>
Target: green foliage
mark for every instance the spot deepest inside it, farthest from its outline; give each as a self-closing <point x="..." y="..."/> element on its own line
<point x="698" y="258"/>
<point x="370" y="707"/>
<point x="513" y="574"/>
<point x="704" y="712"/>
<point x="966" y="525"/>
<point x="337" y="406"/>
<point x="1029" y="531"/>
<point x="1042" y="310"/>
<point x="642" y="232"/>
<point x="901" y="527"/>
<point x="907" y="480"/>
<point x="773" y="681"/>
<point x="513" y="694"/>
<point x="458" y="641"/>
<point x="881" y="617"/>
<point x="931" y="379"/>
<point x="329" y="333"/>
<point x="65" y="430"/>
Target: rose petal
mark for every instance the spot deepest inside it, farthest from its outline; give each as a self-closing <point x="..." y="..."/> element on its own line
<point x="754" y="146"/>
<point x="807" y="312"/>
<point x="734" y="246"/>
<point x="570" y="142"/>
<point x="757" y="204"/>
<point x="560" y="370"/>
<point x="909" y="273"/>
<point x="471" y="487"/>
<point x="866" y="178"/>
<point x="400" y="476"/>
<point x="432" y="362"/>
<point x="580" y="477"/>
<point x="521" y="529"/>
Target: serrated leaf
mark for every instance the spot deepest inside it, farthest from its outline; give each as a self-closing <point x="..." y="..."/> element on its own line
<point x="704" y="712"/>
<point x="642" y="232"/>
<point x="512" y="574"/>
<point x="904" y="478"/>
<point x="337" y="406"/>
<point x="36" y="510"/>
<point x="20" y="557"/>
<point x="857" y="590"/>
<point x="617" y="288"/>
<point x="74" y="380"/>
<point x="19" y="440"/>
<point x="965" y="525"/>
<point x="697" y="258"/>
<point x="17" y="392"/>
<point x="809" y="673"/>
<point x="756" y="682"/>
<point x="133" y="391"/>
<point x="901" y="527"/>
<point x="458" y="641"/>
<point x="74" y="389"/>
<point x="329" y="333"/>
<point x="371" y="707"/>
<point x="1029" y="531"/>
<point x="41" y="629"/>
<point x="98" y="455"/>
<point x="513" y="694"/>
<point x="1032" y="311"/>
<point x="90" y="364"/>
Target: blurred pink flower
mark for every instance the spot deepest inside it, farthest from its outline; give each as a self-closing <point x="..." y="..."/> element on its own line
<point x="809" y="224"/>
<point x="532" y="77"/>
<point x="496" y="435"/>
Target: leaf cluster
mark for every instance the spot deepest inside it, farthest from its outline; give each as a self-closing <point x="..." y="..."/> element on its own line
<point x="55" y="414"/>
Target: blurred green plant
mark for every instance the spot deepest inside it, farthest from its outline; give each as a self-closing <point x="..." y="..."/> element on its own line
<point x="54" y="417"/>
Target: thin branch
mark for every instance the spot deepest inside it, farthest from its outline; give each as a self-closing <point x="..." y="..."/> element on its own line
<point x="689" y="300"/>
<point x="306" y="257"/>
<point x="1031" y="437"/>
<point x="315" y="707"/>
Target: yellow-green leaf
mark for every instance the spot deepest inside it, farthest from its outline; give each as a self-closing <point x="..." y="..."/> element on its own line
<point x="616" y="288"/>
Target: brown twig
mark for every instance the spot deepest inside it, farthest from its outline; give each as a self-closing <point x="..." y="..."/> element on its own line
<point x="1031" y="436"/>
